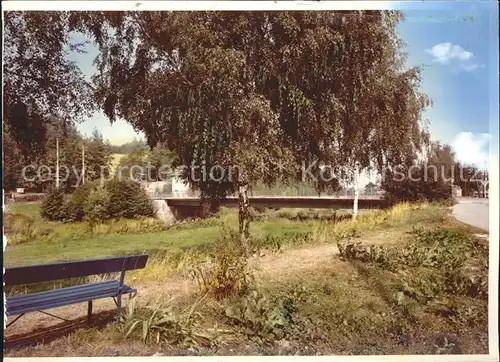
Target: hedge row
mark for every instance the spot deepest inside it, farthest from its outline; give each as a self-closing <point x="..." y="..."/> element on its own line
<point x="116" y="199"/>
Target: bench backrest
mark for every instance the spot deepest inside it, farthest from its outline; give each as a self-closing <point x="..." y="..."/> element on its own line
<point x="63" y="270"/>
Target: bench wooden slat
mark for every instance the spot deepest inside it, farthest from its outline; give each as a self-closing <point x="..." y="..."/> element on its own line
<point x="55" y="294"/>
<point x="60" y="303"/>
<point x="66" y="300"/>
<point x="50" y="272"/>
<point x="69" y="289"/>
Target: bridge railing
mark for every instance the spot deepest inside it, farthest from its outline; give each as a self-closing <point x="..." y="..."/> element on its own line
<point x="159" y="194"/>
<point x="313" y="193"/>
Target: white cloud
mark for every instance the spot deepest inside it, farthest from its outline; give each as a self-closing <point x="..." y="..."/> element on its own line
<point x="443" y="53"/>
<point x="472" y="149"/>
<point x="460" y="59"/>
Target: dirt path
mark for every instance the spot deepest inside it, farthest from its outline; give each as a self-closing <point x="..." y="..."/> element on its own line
<point x="293" y="261"/>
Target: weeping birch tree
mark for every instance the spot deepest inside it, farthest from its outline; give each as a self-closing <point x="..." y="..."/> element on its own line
<point x="246" y="97"/>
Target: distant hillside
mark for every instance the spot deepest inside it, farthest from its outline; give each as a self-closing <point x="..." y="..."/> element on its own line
<point x="129" y="147"/>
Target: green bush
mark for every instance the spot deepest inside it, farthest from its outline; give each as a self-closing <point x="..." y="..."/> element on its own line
<point x="128" y="200"/>
<point x="130" y="226"/>
<point x="76" y="205"/>
<point x="53" y="207"/>
<point x="96" y="206"/>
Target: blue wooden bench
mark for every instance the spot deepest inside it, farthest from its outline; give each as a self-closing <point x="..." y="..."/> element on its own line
<point x="41" y="301"/>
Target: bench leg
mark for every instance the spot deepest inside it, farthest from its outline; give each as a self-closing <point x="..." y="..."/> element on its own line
<point x="14" y="321"/>
<point x="89" y="313"/>
<point x="118" y="307"/>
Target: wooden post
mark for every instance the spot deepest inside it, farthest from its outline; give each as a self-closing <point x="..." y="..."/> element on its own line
<point x="57" y="162"/>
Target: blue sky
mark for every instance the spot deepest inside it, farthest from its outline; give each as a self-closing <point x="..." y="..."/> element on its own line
<point x="457" y="42"/>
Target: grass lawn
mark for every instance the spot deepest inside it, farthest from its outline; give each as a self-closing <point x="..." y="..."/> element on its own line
<point x="73" y="241"/>
<point x="168" y="242"/>
<point x="29" y="209"/>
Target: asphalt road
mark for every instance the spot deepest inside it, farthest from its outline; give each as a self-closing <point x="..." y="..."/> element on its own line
<point x="473" y="211"/>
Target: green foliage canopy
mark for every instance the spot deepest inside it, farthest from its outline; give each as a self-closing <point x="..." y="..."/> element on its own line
<point x="253" y="88"/>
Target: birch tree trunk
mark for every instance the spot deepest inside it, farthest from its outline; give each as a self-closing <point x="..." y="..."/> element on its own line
<point x="243" y="216"/>
<point x="356" y="192"/>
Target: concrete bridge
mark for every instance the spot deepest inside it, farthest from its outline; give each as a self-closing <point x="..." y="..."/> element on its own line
<point x="175" y="208"/>
<point x="308" y="202"/>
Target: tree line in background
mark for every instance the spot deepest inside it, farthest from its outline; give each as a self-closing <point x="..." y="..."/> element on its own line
<point x="154" y="164"/>
<point x="96" y="202"/>
<point x="129" y="147"/>
<point x="226" y="88"/>
<point x="430" y="178"/>
<point x="34" y="169"/>
<point x="40" y="164"/>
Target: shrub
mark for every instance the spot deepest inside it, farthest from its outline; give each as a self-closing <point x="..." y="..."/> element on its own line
<point x="261" y="316"/>
<point x="162" y="323"/>
<point x="20" y="228"/>
<point x="417" y="191"/>
<point x="270" y="242"/>
<point x="447" y="202"/>
<point x="128" y="226"/>
<point x="117" y="199"/>
<point x="75" y="207"/>
<point x="189" y="224"/>
<point x="53" y="207"/>
<point x="96" y="206"/>
<point x="227" y="272"/>
<point x="435" y="262"/>
<point x="128" y="199"/>
<point x="356" y="250"/>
